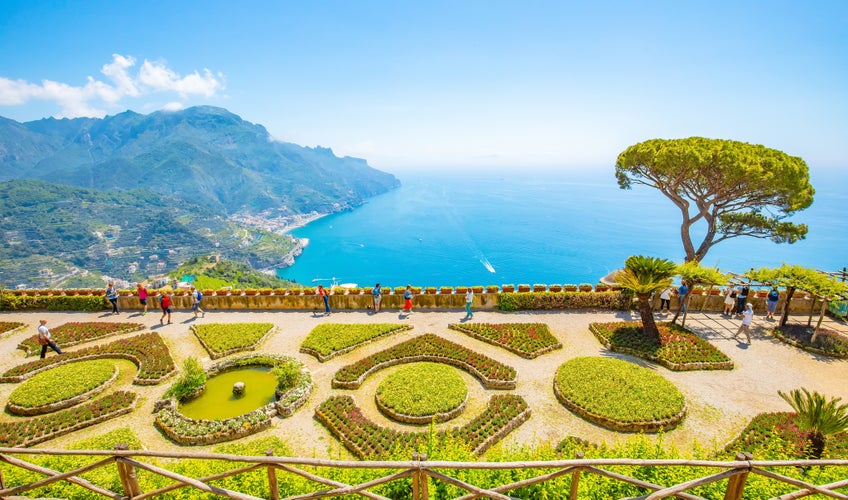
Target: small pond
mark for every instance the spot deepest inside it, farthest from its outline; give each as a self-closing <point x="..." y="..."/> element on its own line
<point x="218" y="402"/>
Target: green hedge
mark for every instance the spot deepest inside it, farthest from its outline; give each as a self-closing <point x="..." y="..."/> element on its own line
<point x="219" y="338"/>
<point x="62" y="382"/>
<point x="528" y="301"/>
<point x="422" y="389"/>
<point x="53" y="303"/>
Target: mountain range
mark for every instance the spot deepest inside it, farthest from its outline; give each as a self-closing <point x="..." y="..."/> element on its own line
<point x="134" y="195"/>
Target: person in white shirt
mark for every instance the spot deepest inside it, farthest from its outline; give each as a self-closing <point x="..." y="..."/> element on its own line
<point x="747" y="319"/>
<point x="469" y="298"/>
<point x="665" y="300"/>
<point x="45" y="340"/>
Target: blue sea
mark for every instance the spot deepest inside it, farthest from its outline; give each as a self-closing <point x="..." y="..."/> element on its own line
<point x="536" y="226"/>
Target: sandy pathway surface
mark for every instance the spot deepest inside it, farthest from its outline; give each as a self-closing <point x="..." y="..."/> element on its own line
<point x="720" y="403"/>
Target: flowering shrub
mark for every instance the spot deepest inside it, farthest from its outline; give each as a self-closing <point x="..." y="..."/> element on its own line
<point x="828" y="342"/>
<point x="8" y="326"/>
<point x="528" y="340"/>
<point x="73" y="333"/>
<point x="366" y="439"/>
<point x="329" y="340"/>
<point x="215" y="430"/>
<point x="63" y="382"/>
<point x="221" y="339"/>
<point x="562" y="300"/>
<point x="53" y="302"/>
<point x="763" y="430"/>
<point x="147" y="351"/>
<point x="429" y="347"/>
<point x="422" y="389"/>
<point x="31" y="431"/>
<point x="619" y="395"/>
<point x="679" y="349"/>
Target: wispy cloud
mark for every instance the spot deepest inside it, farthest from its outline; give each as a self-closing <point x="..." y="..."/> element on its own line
<point x="97" y="97"/>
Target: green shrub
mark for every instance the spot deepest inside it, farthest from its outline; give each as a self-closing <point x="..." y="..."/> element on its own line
<point x="422" y="389"/>
<point x="288" y="374"/>
<point x="193" y="377"/>
<point x="330" y="339"/>
<point x="220" y="338"/>
<point x="63" y="382"/>
<point x="53" y="303"/>
<point x="529" y="301"/>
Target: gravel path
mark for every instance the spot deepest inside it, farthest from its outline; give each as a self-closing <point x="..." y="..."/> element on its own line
<point x="720" y="403"/>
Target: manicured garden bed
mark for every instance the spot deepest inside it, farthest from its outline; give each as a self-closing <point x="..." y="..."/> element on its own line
<point x="766" y="428"/>
<point x="828" y="342"/>
<point x="62" y="387"/>
<point x="147" y="351"/>
<point x="532" y="301"/>
<point x="421" y="393"/>
<point x="528" y="340"/>
<point x="619" y="395"/>
<point x="7" y="327"/>
<point x="329" y="340"/>
<point x="189" y="431"/>
<point x="70" y="334"/>
<point x="679" y="349"/>
<point x="365" y="439"/>
<point x="32" y="431"/>
<point x="223" y="339"/>
<point x="429" y="347"/>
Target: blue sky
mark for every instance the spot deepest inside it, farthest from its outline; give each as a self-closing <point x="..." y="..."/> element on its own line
<point x="456" y="83"/>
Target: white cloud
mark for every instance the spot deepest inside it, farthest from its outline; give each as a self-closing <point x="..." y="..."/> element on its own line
<point x="173" y="106"/>
<point x="97" y="97"/>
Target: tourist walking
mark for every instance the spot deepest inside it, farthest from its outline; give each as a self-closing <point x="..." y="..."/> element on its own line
<point x="165" y="302"/>
<point x="196" y="297"/>
<point x="44" y="338"/>
<point x="729" y="300"/>
<point x="142" y="296"/>
<point x="407" y="300"/>
<point x="771" y="302"/>
<point x="747" y="319"/>
<point x="665" y="300"/>
<point x="469" y="298"/>
<point x="112" y="295"/>
<point x="742" y="299"/>
<point x="378" y="297"/>
<point x="682" y="294"/>
<point x="326" y="296"/>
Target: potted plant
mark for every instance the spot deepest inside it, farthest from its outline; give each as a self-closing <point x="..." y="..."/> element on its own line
<point x="265" y="291"/>
<point x="354" y="291"/>
<point x="523" y="287"/>
<point x="399" y="290"/>
<point x="538" y="287"/>
<point x="554" y="288"/>
<point x="235" y="291"/>
<point x="762" y="293"/>
<point x="295" y="291"/>
<point x="368" y="290"/>
<point x="697" y="291"/>
<point x="584" y="287"/>
<point x="461" y="289"/>
<point x="279" y="291"/>
<point x="569" y="287"/>
<point x="430" y="290"/>
<point x="446" y="290"/>
<point x="491" y="288"/>
<point x="507" y="288"/>
<point x="601" y="287"/>
<point x="477" y="289"/>
<point x="715" y="291"/>
<point x="250" y="291"/>
<point x="309" y="291"/>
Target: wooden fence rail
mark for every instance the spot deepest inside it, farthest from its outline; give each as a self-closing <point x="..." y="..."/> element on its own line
<point x="419" y="469"/>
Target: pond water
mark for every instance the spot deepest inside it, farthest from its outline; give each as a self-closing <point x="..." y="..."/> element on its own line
<point x="218" y="402"/>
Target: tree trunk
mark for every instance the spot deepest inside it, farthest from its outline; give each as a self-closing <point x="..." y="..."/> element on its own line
<point x="649" y="326"/>
<point x="821" y="318"/>
<point x="817" y="441"/>
<point x="790" y="291"/>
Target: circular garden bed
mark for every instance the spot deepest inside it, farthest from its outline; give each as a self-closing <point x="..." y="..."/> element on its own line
<point x="619" y="395"/>
<point x="62" y="387"/>
<point x="421" y="393"/>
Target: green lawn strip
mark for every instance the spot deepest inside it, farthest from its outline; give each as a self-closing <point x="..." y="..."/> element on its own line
<point x="679" y="349"/>
<point x="828" y="342"/>
<point x="421" y="391"/>
<point x="528" y="340"/>
<point x="60" y="384"/>
<point x="223" y="339"/>
<point x="767" y="429"/>
<point x="428" y="347"/>
<point x="8" y="327"/>
<point x="70" y="334"/>
<point x="619" y="395"/>
<point x="30" y="431"/>
<point x="147" y="351"/>
<point x="329" y="340"/>
<point x="365" y="439"/>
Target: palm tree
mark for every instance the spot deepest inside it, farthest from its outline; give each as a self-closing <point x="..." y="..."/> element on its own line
<point x="644" y="276"/>
<point x="819" y="416"/>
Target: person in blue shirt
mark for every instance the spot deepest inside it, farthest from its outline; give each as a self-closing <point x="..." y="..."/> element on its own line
<point x="682" y="292"/>
<point x="771" y="302"/>
<point x="378" y="297"/>
<point x="407" y="300"/>
<point x="112" y="295"/>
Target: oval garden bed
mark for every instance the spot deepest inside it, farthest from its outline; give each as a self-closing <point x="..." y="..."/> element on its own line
<point x="492" y="374"/>
<point x="679" y="349"/>
<point x="422" y="393"/>
<point x="329" y="340"/>
<point x="828" y="342"/>
<point x="619" y="395"/>
<point x="528" y="340"/>
<point x="223" y="339"/>
<point x="62" y="387"/>
<point x="188" y="431"/>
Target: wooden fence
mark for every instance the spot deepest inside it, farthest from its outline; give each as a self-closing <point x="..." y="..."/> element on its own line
<point x="419" y="470"/>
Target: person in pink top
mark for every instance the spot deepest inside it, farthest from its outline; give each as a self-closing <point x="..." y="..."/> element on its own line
<point x="142" y="297"/>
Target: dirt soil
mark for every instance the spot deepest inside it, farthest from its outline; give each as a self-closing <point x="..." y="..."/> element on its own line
<point x="720" y="403"/>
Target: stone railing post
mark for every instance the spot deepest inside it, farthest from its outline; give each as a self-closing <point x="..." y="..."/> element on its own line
<point x="126" y="473"/>
<point x="736" y="484"/>
<point x="272" y="478"/>
<point x="575" y="479"/>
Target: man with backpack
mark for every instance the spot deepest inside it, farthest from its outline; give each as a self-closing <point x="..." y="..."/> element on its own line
<point x="196" y="297"/>
<point x="165" y="302"/>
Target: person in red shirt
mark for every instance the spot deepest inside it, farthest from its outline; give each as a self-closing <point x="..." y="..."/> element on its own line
<point x="142" y="297"/>
<point x="326" y="296"/>
<point x="165" y="302"/>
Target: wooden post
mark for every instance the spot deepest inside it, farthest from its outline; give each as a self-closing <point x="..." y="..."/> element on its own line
<point x="2" y="481"/>
<point x="272" y="478"/>
<point x="736" y="484"/>
<point x="126" y="472"/>
<point x="419" y="479"/>
<point x="575" y="479"/>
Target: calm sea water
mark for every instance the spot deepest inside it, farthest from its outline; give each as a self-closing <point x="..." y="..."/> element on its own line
<point x="469" y="228"/>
